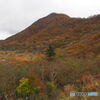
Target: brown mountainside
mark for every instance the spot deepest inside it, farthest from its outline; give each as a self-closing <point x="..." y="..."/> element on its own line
<point x="75" y="35"/>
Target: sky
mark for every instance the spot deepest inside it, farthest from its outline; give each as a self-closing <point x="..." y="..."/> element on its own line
<point x="16" y="15"/>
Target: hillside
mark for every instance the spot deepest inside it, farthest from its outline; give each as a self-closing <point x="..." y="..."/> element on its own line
<point x="31" y="69"/>
<point x="78" y="36"/>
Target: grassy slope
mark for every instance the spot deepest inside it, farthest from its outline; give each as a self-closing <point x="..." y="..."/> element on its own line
<point x="75" y="35"/>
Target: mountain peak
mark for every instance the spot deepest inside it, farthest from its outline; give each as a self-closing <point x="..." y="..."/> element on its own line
<point x="57" y="14"/>
<point x="53" y="14"/>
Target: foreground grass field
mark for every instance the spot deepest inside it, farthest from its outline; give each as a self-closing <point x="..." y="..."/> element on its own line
<point x="50" y="80"/>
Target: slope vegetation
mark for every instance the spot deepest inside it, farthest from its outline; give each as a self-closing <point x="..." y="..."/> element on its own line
<point x="78" y="36"/>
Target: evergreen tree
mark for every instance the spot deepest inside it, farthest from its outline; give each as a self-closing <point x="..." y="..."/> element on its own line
<point x="50" y="52"/>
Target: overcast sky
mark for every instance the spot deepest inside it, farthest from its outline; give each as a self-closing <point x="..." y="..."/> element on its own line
<point x="16" y="15"/>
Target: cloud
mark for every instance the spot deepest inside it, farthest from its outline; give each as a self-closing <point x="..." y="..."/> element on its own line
<point x="4" y="35"/>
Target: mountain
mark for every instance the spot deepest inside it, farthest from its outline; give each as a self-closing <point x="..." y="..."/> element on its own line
<point x="77" y="36"/>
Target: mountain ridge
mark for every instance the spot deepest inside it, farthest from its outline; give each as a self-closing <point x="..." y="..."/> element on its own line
<point x="59" y="30"/>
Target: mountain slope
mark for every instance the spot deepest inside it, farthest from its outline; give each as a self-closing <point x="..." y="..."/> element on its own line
<point x="75" y="35"/>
